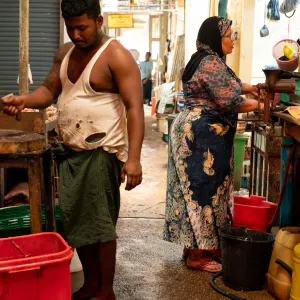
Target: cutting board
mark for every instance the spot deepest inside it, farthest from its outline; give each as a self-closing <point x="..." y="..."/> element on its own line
<point x="16" y="141"/>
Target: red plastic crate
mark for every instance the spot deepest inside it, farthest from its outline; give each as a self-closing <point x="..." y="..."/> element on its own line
<point x="253" y="212"/>
<point x="35" y="267"/>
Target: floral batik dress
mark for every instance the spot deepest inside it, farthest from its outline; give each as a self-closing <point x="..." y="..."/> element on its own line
<point x="200" y="167"/>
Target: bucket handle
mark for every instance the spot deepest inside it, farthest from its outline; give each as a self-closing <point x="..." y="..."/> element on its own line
<point x="285" y="266"/>
<point x="20" y="249"/>
<point x="25" y="270"/>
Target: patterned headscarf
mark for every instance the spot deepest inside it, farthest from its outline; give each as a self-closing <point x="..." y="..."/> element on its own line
<point x="209" y="42"/>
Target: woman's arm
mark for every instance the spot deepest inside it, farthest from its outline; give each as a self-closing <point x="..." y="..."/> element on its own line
<point x="250" y="105"/>
<point x="223" y="89"/>
<point x="249" y="89"/>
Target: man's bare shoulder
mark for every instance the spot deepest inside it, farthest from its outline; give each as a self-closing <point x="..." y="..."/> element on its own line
<point x="62" y="52"/>
<point x="118" y="51"/>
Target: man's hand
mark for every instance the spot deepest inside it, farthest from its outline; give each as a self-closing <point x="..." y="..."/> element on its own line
<point x="145" y="81"/>
<point x="13" y="104"/>
<point x="133" y="171"/>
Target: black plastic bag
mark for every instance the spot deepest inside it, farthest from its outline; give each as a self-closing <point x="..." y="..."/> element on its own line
<point x="273" y="10"/>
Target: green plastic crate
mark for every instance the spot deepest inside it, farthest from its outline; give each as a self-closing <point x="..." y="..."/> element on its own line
<point x="285" y="97"/>
<point x="15" y="221"/>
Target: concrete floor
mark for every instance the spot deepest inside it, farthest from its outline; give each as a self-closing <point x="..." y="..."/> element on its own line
<point x="149" y="268"/>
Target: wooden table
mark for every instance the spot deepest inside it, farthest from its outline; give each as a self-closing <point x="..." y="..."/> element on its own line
<point x="40" y="179"/>
<point x="286" y="117"/>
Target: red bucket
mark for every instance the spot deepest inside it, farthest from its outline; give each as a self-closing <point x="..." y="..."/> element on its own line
<point x="35" y="267"/>
<point x="153" y="109"/>
<point x="278" y="52"/>
<point x="253" y="212"/>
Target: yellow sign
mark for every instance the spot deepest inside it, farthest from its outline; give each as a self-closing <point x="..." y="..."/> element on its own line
<point x="120" y="21"/>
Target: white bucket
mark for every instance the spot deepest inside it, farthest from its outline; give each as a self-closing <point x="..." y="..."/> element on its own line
<point x="162" y="123"/>
<point x="75" y="263"/>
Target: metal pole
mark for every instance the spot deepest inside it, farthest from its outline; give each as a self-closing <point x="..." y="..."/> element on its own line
<point x="24" y="47"/>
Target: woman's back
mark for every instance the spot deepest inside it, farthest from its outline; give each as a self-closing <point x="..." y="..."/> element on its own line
<point x="213" y="86"/>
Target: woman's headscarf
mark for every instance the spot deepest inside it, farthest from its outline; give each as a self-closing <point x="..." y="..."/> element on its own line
<point x="209" y="42"/>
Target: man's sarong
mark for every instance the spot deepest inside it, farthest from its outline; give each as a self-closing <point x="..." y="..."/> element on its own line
<point x="89" y="195"/>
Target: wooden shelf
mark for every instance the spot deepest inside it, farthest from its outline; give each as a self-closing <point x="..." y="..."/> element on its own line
<point x="286" y="117"/>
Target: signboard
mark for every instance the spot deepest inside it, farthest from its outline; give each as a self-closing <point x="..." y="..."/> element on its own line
<point x="120" y="21"/>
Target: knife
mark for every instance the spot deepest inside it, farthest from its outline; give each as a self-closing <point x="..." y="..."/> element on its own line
<point x="18" y="116"/>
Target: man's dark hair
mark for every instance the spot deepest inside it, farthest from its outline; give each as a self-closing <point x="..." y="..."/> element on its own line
<point x="77" y="8"/>
<point x="149" y="53"/>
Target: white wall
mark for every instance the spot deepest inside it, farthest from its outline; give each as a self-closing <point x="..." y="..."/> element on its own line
<point x="247" y="40"/>
<point x="262" y="52"/>
<point x="137" y="39"/>
<point x="196" y="11"/>
<point x="66" y="37"/>
<point x="235" y="13"/>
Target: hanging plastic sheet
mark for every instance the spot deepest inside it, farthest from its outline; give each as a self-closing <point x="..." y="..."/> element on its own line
<point x="273" y="10"/>
<point x="223" y="8"/>
<point x="288" y="6"/>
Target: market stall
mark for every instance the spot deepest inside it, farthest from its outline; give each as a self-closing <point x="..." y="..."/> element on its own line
<point x="24" y="145"/>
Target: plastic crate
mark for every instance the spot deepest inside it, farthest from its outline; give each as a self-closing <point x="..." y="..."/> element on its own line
<point x="15" y="221"/>
<point x="35" y="267"/>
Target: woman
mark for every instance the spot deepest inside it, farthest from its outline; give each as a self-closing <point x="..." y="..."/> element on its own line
<point x="200" y="169"/>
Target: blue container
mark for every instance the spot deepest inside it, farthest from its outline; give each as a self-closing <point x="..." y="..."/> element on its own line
<point x="245" y="182"/>
<point x="286" y="206"/>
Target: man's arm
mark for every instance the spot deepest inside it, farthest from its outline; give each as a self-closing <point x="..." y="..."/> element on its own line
<point x="43" y="96"/>
<point x="126" y="74"/>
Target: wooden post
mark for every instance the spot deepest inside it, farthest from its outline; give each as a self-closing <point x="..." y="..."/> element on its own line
<point x="2" y="187"/>
<point x="36" y="190"/>
<point x="49" y="197"/>
<point x="24" y="47"/>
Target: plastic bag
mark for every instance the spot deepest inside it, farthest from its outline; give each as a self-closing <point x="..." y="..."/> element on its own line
<point x="167" y="97"/>
<point x="273" y="10"/>
<point x="18" y="195"/>
<point x="30" y="80"/>
<point x="289" y="6"/>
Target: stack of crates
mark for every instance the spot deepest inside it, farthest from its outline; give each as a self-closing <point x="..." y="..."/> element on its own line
<point x="15" y="221"/>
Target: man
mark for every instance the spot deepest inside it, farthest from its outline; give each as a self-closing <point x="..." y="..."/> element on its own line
<point x="146" y="76"/>
<point x="90" y="78"/>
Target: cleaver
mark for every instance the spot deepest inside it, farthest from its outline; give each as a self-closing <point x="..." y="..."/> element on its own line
<point x="18" y="116"/>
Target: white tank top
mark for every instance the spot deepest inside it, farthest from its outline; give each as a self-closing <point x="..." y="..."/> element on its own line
<point x="84" y="113"/>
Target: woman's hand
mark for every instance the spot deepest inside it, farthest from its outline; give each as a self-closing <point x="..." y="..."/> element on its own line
<point x="249" y="89"/>
<point x="260" y="106"/>
<point x="251" y="105"/>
